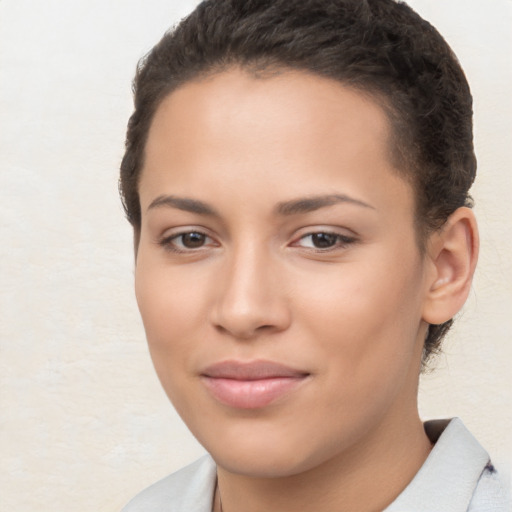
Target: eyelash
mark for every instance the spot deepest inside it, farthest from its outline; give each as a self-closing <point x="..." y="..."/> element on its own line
<point x="169" y="244"/>
<point x="340" y="242"/>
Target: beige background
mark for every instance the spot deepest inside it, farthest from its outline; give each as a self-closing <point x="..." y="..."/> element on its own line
<point x="84" y="423"/>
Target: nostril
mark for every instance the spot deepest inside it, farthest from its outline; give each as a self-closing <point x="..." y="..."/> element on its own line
<point x="244" y="330"/>
<point x="265" y="327"/>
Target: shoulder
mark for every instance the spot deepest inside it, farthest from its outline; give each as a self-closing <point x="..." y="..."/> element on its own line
<point x="456" y="477"/>
<point x="190" y="489"/>
<point x="491" y="494"/>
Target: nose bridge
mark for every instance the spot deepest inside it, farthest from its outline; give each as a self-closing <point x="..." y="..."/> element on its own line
<point x="250" y="297"/>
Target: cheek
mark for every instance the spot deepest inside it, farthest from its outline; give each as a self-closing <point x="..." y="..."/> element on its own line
<point x="168" y="314"/>
<point x="170" y="307"/>
<point x="366" y="318"/>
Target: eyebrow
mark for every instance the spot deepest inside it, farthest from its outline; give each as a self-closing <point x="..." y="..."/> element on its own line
<point x="292" y="207"/>
<point x="183" y="203"/>
<point x="309" y="204"/>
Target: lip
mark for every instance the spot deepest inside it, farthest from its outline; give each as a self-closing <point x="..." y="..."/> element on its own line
<point x="251" y="385"/>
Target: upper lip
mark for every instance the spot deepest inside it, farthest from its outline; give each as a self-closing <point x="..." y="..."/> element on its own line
<point x="252" y="370"/>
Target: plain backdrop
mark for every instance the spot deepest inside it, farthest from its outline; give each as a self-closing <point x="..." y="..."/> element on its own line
<point x="84" y="423"/>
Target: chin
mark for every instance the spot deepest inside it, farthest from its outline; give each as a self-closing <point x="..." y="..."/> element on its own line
<point x="262" y="465"/>
<point x="270" y="452"/>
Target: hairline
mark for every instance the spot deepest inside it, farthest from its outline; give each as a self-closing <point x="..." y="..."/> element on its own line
<point x="402" y="161"/>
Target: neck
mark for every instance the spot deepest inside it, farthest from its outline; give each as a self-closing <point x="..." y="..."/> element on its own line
<point x="367" y="478"/>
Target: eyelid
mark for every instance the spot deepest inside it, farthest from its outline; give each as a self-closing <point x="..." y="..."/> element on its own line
<point x="169" y="235"/>
<point x="343" y="238"/>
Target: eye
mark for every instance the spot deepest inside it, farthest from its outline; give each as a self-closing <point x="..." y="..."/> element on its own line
<point x="191" y="240"/>
<point x="322" y="241"/>
<point x="186" y="241"/>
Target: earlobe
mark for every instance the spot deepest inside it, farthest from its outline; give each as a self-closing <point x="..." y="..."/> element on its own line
<point x="452" y="253"/>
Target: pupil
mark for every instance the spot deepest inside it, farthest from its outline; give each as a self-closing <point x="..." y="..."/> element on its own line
<point x="323" y="240"/>
<point x="193" y="240"/>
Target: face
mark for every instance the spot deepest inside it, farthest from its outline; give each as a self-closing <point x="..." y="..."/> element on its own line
<point x="278" y="274"/>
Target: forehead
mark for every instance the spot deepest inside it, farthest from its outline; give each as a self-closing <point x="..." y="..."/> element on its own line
<point x="300" y="104"/>
<point x="288" y="131"/>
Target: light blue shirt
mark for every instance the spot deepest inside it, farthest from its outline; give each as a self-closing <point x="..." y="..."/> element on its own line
<point x="456" y="477"/>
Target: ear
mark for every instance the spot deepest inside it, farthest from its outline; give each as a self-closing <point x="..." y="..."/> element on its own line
<point x="452" y="252"/>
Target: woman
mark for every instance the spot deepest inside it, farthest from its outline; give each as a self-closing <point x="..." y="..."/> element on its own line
<point x="297" y="176"/>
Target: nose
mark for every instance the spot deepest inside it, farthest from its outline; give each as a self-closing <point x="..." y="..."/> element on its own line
<point x="251" y="296"/>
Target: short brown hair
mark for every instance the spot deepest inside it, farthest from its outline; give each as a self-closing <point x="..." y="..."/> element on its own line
<point x="381" y="47"/>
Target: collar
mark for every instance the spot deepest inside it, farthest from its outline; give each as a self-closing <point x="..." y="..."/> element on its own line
<point x="446" y="481"/>
<point x="449" y="476"/>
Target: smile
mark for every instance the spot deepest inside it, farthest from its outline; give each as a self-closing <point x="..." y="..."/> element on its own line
<point x="250" y="385"/>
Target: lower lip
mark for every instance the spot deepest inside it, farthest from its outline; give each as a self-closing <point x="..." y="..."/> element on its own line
<point x="251" y="394"/>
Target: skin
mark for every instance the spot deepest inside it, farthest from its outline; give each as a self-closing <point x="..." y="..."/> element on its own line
<point x="253" y="286"/>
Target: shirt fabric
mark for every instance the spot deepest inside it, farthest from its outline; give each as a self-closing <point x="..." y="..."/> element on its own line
<point x="456" y="477"/>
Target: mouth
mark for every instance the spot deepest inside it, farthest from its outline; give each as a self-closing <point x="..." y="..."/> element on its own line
<point x="251" y="385"/>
